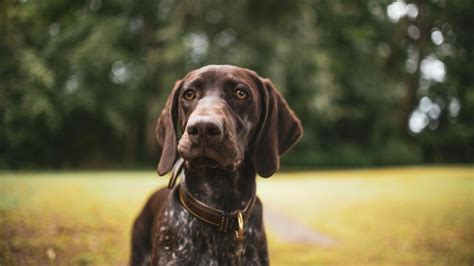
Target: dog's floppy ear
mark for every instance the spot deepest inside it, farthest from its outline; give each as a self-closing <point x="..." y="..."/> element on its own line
<point x="166" y="131"/>
<point x="280" y="130"/>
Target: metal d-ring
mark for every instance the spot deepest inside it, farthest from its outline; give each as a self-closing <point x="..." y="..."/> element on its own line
<point x="239" y="233"/>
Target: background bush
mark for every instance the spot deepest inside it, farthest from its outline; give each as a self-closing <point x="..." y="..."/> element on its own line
<point x="374" y="82"/>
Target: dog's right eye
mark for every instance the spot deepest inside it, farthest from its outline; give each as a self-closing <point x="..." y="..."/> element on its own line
<point x="189" y="94"/>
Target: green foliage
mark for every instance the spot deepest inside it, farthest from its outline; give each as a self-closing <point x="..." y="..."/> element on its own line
<point x="82" y="82"/>
<point x="398" y="152"/>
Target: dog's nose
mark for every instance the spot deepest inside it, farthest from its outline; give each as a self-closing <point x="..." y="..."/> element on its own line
<point x="204" y="128"/>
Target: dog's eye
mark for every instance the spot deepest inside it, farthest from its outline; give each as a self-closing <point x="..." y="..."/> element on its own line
<point x="240" y="94"/>
<point x="189" y="95"/>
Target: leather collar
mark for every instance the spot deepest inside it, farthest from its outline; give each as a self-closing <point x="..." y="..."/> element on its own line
<point x="225" y="222"/>
<point x="233" y="221"/>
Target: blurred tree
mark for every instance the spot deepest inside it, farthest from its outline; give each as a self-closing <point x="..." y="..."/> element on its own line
<point x="374" y="82"/>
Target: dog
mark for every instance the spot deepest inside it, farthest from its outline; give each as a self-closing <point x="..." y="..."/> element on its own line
<point x="221" y="125"/>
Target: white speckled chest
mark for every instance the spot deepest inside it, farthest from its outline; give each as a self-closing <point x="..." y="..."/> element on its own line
<point x="182" y="239"/>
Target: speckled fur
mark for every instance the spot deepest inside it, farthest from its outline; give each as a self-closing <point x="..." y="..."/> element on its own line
<point x="178" y="238"/>
<point x="181" y="239"/>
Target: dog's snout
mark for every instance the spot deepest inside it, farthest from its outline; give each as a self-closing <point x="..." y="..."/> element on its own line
<point x="204" y="128"/>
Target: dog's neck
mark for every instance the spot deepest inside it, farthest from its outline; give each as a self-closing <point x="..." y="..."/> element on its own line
<point x="221" y="189"/>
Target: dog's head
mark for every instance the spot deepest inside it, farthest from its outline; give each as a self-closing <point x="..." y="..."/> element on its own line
<point x="224" y="113"/>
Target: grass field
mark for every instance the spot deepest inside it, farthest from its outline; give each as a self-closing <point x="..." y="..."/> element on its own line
<point x="399" y="216"/>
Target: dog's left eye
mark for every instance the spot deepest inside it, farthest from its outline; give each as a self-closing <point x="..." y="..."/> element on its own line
<point x="240" y="94"/>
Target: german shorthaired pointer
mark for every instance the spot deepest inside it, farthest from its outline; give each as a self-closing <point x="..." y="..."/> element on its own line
<point x="222" y="125"/>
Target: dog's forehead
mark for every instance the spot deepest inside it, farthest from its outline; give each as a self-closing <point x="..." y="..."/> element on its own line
<point x="217" y="73"/>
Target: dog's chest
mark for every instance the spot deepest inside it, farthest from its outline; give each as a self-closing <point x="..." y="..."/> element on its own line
<point x="181" y="239"/>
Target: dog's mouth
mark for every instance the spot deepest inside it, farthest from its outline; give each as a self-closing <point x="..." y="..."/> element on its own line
<point x="225" y="154"/>
<point x="204" y="161"/>
<point x="226" y="159"/>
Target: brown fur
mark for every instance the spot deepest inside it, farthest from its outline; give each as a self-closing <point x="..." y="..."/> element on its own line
<point x="225" y="142"/>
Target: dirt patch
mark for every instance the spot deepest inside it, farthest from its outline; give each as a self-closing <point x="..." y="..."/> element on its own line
<point x="293" y="231"/>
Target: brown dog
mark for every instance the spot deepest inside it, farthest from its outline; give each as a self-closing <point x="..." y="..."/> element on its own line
<point x="233" y="124"/>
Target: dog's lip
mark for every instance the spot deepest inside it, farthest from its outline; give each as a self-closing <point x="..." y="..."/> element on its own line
<point x="203" y="156"/>
<point x="205" y="161"/>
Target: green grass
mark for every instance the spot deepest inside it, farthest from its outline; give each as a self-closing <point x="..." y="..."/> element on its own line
<point x="399" y="216"/>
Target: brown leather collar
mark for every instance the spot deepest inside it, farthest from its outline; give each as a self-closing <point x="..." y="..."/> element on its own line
<point x="225" y="222"/>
